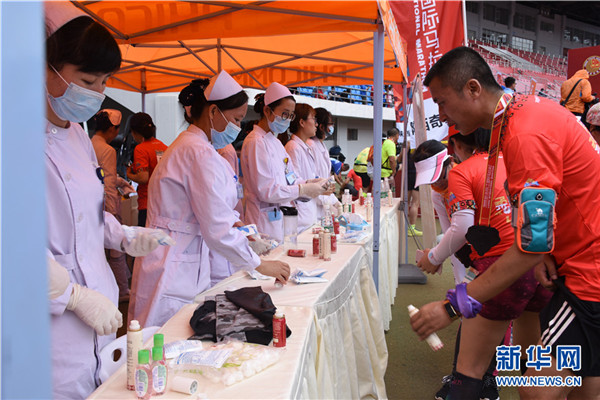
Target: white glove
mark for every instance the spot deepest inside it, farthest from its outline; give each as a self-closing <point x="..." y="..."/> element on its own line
<point x="58" y="279"/>
<point x="311" y="190"/>
<point x="140" y="241"/>
<point x="259" y="245"/>
<point x="95" y="309"/>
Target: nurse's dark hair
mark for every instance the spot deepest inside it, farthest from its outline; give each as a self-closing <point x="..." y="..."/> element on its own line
<point x="323" y="117"/>
<point x="478" y="140"/>
<point x="102" y="121"/>
<point x="142" y="123"/>
<point x="193" y="95"/>
<point x="259" y="105"/>
<point x="302" y="112"/>
<point x="458" y="66"/>
<point x="429" y="148"/>
<point x="84" y="43"/>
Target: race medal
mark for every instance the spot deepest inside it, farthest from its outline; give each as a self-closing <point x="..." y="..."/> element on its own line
<point x="482" y="236"/>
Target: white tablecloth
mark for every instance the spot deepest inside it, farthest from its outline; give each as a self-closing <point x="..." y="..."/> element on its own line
<point x="286" y="379"/>
<point x="337" y="348"/>
<point x="388" y="257"/>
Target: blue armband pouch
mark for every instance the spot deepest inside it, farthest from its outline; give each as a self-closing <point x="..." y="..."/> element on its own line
<point x="536" y="220"/>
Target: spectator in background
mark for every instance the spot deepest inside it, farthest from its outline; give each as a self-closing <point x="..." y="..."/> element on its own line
<point x="413" y="193"/>
<point x="360" y="167"/>
<point x="145" y="157"/>
<point x="575" y="92"/>
<point x="344" y="182"/>
<point x="510" y="85"/>
<point x="336" y="152"/>
<point x="107" y="128"/>
<point x="388" y="154"/>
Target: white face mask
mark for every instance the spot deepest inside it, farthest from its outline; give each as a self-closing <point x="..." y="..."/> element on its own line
<point x="330" y="130"/>
<point x="279" y="125"/>
<point x="77" y="104"/>
<point x="226" y="136"/>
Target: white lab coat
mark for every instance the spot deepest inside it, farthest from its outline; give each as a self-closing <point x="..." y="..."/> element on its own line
<point x="323" y="170"/>
<point x="265" y="186"/>
<point x="78" y="232"/>
<point x="304" y="163"/>
<point x="229" y="154"/>
<point x="191" y="196"/>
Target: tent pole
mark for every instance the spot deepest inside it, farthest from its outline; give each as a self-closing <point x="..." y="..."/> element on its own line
<point x="219" y="51"/>
<point x="144" y="88"/>
<point x="404" y="195"/>
<point x="407" y="272"/>
<point x="378" y="46"/>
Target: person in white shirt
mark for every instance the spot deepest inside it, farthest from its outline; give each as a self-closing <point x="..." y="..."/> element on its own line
<point x="192" y="195"/>
<point x="304" y="160"/>
<point x="82" y="290"/>
<point x="269" y="177"/>
<point x="325" y="129"/>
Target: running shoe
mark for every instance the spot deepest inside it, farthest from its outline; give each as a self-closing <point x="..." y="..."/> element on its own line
<point x="412" y="231"/>
<point x="445" y="389"/>
<point x="490" y="389"/>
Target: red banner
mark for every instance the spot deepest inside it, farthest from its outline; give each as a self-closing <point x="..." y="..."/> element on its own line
<point x="587" y="58"/>
<point x="430" y="28"/>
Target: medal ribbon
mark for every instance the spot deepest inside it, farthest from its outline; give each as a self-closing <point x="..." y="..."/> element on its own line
<point x="493" y="153"/>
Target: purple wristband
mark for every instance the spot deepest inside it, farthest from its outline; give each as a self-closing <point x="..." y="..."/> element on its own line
<point x="461" y="301"/>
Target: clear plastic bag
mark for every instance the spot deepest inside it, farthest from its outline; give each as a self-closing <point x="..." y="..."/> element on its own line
<point x="243" y="361"/>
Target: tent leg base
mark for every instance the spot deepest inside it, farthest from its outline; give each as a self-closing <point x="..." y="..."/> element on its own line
<point x="410" y="273"/>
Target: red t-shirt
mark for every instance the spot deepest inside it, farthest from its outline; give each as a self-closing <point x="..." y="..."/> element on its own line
<point x="544" y="145"/>
<point x="145" y="158"/>
<point x="356" y="180"/>
<point x="465" y="191"/>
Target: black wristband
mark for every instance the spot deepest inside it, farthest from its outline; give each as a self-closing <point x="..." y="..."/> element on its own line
<point x="452" y="313"/>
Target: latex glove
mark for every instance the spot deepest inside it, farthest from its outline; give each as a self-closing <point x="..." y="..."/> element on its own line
<point x="95" y="309"/>
<point x="140" y="241"/>
<point x="311" y="190"/>
<point x="58" y="279"/>
<point x="259" y="245"/>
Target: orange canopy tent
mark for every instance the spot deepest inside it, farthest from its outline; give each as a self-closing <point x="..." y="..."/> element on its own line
<point x="165" y="44"/>
<point x="296" y="43"/>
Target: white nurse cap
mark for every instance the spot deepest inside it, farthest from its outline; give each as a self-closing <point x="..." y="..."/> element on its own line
<point x="276" y="91"/>
<point x="59" y="13"/>
<point x="221" y="86"/>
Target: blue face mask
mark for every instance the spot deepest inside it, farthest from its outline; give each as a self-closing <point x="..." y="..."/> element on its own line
<point x="223" y="138"/>
<point x="279" y="125"/>
<point x="77" y="104"/>
<point x="330" y="130"/>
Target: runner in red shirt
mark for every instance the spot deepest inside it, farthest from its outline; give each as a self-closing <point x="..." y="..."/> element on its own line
<point x="145" y="157"/>
<point x="544" y="147"/>
<point x="478" y="337"/>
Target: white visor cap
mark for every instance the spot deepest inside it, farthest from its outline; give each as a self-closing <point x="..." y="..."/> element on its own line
<point x="430" y="169"/>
